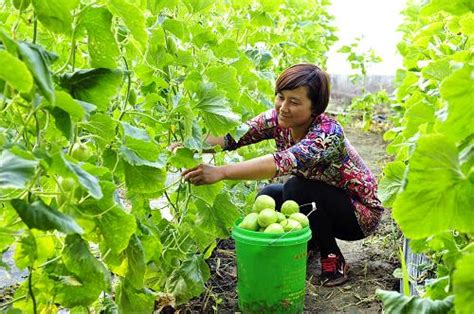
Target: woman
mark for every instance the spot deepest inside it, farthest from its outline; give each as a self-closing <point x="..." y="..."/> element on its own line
<point x="325" y="167"/>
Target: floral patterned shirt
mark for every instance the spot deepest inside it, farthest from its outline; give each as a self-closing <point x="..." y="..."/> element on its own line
<point x="324" y="154"/>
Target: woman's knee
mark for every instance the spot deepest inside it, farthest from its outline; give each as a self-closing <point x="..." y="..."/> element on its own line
<point x="293" y="188"/>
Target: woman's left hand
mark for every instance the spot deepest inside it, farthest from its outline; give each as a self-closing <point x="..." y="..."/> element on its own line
<point x="203" y="174"/>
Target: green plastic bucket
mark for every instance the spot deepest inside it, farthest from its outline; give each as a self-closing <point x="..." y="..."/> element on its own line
<point x="271" y="270"/>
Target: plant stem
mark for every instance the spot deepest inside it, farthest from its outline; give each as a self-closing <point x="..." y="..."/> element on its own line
<point x="30" y="290"/>
<point x="35" y="27"/>
<point x="127" y="95"/>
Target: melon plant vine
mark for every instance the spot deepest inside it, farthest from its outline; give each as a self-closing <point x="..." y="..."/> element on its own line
<point x="91" y="95"/>
<point x="430" y="184"/>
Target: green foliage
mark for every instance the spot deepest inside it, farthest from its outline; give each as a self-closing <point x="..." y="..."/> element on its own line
<point x="94" y="93"/>
<point x="396" y="303"/>
<point x="430" y="184"/>
<point x="359" y="59"/>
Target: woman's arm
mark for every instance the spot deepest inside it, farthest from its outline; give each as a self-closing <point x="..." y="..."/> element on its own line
<point x="254" y="169"/>
<point x="215" y="140"/>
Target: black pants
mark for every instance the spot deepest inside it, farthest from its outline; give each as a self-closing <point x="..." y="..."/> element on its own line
<point x="334" y="217"/>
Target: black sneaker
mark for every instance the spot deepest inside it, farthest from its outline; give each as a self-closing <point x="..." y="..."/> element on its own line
<point x="334" y="270"/>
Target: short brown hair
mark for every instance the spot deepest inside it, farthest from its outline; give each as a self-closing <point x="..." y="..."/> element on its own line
<point x="307" y="75"/>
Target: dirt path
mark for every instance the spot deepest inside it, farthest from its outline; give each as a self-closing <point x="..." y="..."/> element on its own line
<point x="372" y="260"/>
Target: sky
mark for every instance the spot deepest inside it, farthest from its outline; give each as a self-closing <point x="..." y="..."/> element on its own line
<point x="376" y="22"/>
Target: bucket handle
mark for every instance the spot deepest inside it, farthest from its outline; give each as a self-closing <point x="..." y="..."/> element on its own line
<point x="313" y="209"/>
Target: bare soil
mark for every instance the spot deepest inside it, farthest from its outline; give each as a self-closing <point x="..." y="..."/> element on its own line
<point x="372" y="260"/>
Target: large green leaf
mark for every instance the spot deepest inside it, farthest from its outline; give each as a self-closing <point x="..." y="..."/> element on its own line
<point x="132" y="16"/>
<point x="68" y="104"/>
<point x="114" y="223"/>
<point x="438" y="195"/>
<point x="417" y="114"/>
<point x="96" y="86"/>
<point x="217" y="115"/>
<point x="188" y="280"/>
<point x="62" y="121"/>
<point x="15" y="72"/>
<point x="134" y="159"/>
<point x="218" y="218"/>
<point x="92" y="278"/>
<point x="463" y="283"/>
<point x="437" y="70"/>
<point x="391" y="182"/>
<point x="101" y="125"/>
<point x="56" y="15"/>
<point x="225" y="77"/>
<point x="40" y="216"/>
<point x="103" y="49"/>
<point x="184" y="158"/>
<point x="395" y="302"/>
<point x="88" y="181"/>
<point x="135" y="263"/>
<point x="37" y="60"/>
<point x="458" y="90"/>
<point x="135" y="132"/>
<point x="144" y="179"/>
<point x="131" y="300"/>
<point x="15" y="171"/>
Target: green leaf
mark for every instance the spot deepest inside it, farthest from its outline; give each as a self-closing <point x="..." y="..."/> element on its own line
<point x="88" y="181"/>
<point x="68" y="104"/>
<point x="144" y="179"/>
<point x="198" y="5"/>
<point x="37" y="60"/>
<point x="135" y="263"/>
<point x="96" y="86"/>
<point x="391" y="182"/>
<point x="102" y="125"/>
<point x="150" y="239"/>
<point x="103" y="49"/>
<point x="208" y="192"/>
<point x="92" y="276"/>
<point x="218" y="218"/>
<point x="56" y="15"/>
<point x="438" y="195"/>
<point x="135" y="160"/>
<point x="176" y="27"/>
<point x="188" y="280"/>
<point x="225" y="78"/>
<point x="63" y="123"/>
<point x="134" y="132"/>
<point x="437" y="70"/>
<point x="15" y="172"/>
<point x="26" y="251"/>
<point x="217" y="115"/>
<point x="456" y="8"/>
<point x="114" y="223"/>
<point x="463" y="283"/>
<point x="184" y="158"/>
<point x="228" y="48"/>
<point x="131" y="300"/>
<point x="40" y="216"/>
<point x="467" y="24"/>
<point x="394" y="302"/>
<point x="416" y="115"/>
<point x="458" y="90"/>
<point x="133" y="18"/>
<point x="15" y="72"/>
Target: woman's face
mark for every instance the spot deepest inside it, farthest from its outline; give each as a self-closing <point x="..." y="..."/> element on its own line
<point x="293" y="107"/>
